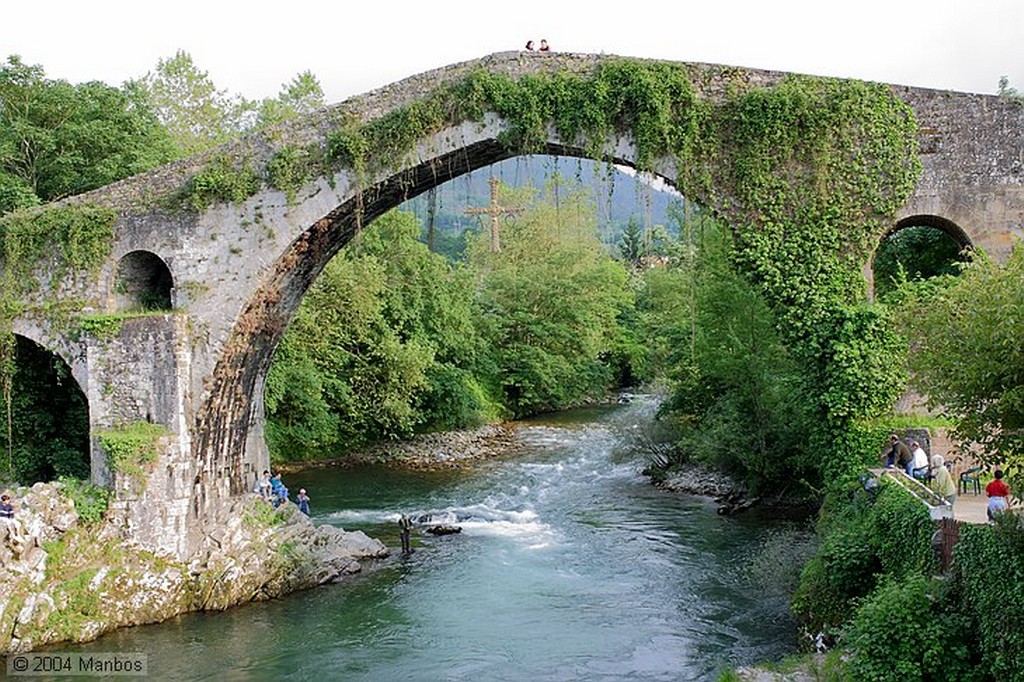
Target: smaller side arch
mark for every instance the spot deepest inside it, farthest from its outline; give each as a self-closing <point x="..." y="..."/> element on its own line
<point x="944" y="225"/>
<point x="954" y="231"/>
<point x="143" y="282"/>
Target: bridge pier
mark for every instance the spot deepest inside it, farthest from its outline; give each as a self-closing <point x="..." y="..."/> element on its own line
<point x="162" y="494"/>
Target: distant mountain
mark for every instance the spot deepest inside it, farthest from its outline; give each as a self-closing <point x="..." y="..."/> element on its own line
<point x="618" y="196"/>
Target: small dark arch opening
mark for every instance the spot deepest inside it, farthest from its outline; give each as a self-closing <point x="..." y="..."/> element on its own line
<point x="143" y="282"/>
<point x="49" y="434"/>
<point x="919" y="247"/>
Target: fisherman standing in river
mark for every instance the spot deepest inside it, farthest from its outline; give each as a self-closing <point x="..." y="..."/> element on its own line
<point x="405" y="526"/>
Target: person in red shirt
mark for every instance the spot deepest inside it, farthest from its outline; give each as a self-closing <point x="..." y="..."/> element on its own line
<point x="998" y="495"/>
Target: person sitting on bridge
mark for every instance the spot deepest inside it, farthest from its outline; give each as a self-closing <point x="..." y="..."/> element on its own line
<point x="998" y="496"/>
<point x="944" y="484"/>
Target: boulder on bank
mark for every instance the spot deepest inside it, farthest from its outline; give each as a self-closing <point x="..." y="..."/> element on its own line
<point x="696" y="479"/>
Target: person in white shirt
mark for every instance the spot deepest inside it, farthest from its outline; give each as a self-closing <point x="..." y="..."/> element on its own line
<point x="919" y="464"/>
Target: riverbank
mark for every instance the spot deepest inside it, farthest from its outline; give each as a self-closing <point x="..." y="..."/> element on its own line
<point x="428" y="451"/>
<point x="67" y="576"/>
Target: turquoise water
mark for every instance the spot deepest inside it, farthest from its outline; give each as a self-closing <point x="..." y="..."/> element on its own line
<point x="570" y="566"/>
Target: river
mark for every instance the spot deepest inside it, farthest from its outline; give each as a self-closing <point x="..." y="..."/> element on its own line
<point x="569" y="566"/>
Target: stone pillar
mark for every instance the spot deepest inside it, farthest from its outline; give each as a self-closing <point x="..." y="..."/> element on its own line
<point x="139" y="377"/>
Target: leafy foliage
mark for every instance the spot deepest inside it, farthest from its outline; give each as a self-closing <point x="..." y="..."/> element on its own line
<point x="196" y="114"/>
<point x="49" y="419"/>
<point x="302" y="95"/>
<point x="130" y="447"/>
<point x="862" y="537"/>
<point x="908" y="630"/>
<point x="90" y="501"/>
<point x="58" y="139"/>
<point x="967" y="357"/>
<point x="383" y="343"/>
<point x="222" y="179"/>
<point x="738" y="399"/>
<point x="549" y="304"/>
<point x="988" y="564"/>
<point x="76" y="238"/>
<point x="914" y="253"/>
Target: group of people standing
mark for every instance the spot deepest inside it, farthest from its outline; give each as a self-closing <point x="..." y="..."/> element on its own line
<point x="273" y="490"/>
<point x="530" y="47"/>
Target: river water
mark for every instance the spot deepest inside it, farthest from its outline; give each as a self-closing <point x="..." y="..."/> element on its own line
<point x="570" y="566"/>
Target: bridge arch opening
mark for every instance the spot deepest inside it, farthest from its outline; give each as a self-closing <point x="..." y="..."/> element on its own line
<point x="143" y="282"/>
<point x="917" y="248"/>
<point x="359" y="395"/>
<point x="49" y="426"/>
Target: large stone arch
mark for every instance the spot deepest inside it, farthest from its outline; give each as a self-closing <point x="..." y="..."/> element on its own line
<point x="232" y="415"/>
<point x="945" y="225"/>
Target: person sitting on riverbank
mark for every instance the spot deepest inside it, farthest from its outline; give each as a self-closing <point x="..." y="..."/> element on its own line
<point x="280" y="492"/>
<point x="943" y="481"/>
<point x="264" y="487"/>
<point x="998" y="496"/>
<point x="9" y="526"/>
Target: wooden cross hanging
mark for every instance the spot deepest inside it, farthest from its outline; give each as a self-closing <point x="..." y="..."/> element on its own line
<point x="494" y="210"/>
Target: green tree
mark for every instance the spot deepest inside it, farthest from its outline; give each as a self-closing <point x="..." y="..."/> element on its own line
<point x="550" y="301"/>
<point x="967" y="342"/>
<point x="300" y="96"/>
<point x="199" y="115"/>
<point x="739" y="398"/>
<point x="195" y="112"/>
<point x="383" y="346"/>
<point x="1004" y="88"/>
<point x="631" y="245"/>
<point x="58" y="139"/>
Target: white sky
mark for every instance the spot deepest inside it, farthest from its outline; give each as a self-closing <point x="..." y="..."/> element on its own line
<point x="353" y="46"/>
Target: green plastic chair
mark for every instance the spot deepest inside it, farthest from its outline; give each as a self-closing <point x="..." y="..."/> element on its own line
<point x="968" y="478"/>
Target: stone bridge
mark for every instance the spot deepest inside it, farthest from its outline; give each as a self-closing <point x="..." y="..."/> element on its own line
<point x="232" y="273"/>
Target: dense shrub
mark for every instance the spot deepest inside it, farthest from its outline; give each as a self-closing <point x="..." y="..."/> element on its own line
<point x="863" y="536"/>
<point x="908" y="630"/>
<point x="989" y="576"/>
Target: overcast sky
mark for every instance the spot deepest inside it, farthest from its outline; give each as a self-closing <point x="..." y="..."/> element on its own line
<point x="352" y="46"/>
